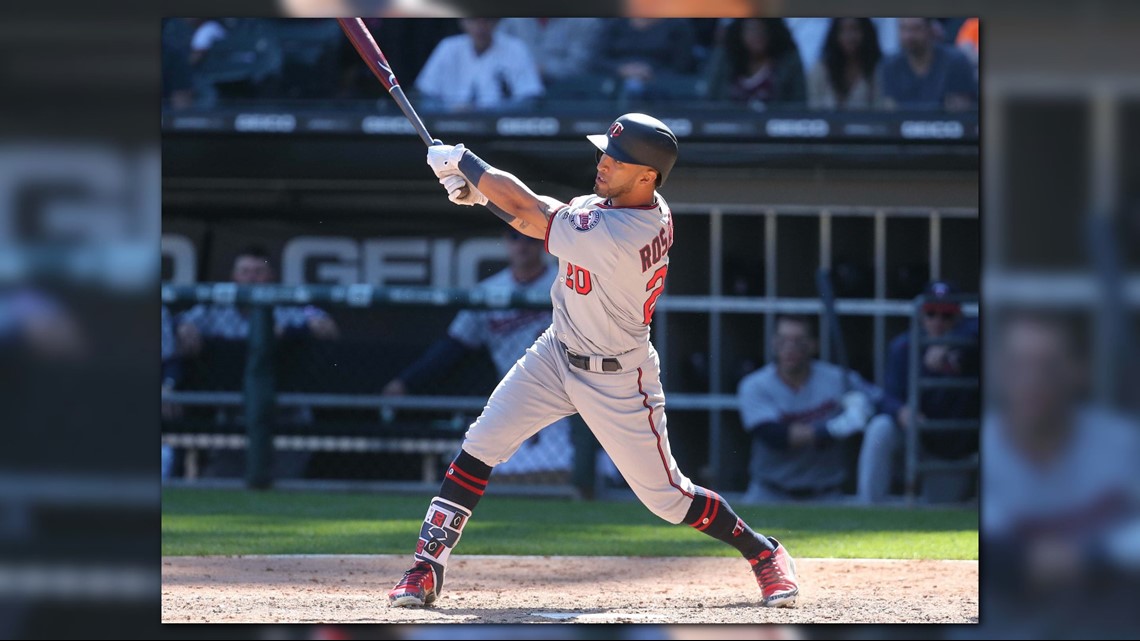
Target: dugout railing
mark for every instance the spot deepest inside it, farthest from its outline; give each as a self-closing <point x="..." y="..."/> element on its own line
<point x="919" y="463"/>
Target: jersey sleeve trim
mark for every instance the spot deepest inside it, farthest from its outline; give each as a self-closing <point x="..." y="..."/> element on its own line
<point x="546" y="238"/>
<point x="550" y="225"/>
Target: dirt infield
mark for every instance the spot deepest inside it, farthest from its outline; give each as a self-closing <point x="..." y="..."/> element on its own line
<point x="495" y="589"/>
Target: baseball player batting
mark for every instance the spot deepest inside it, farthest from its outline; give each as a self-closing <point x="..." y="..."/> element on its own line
<point x="595" y="359"/>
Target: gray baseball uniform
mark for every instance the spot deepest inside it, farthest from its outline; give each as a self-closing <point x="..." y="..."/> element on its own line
<point x="507" y="333"/>
<point x="612" y="265"/>
<point x="764" y="397"/>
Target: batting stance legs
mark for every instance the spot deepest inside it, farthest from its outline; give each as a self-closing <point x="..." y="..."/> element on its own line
<point x="626" y="412"/>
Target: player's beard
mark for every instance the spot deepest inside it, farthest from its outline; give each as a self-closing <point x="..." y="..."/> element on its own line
<point x="609" y="190"/>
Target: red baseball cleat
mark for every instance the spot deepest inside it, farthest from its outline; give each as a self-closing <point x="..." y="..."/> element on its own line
<point x="417" y="588"/>
<point x="776" y="575"/>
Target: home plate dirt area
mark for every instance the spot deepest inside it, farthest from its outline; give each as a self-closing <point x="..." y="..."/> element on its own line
<point x="514" y="589"/>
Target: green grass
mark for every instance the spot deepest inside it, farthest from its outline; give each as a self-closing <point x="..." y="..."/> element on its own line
<point x="209" y="522"/>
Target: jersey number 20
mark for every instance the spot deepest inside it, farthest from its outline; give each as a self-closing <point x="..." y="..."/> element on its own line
<point x="578" y="279"/>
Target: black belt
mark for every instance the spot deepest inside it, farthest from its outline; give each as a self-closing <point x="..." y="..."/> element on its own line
<point x="583" y="362"/>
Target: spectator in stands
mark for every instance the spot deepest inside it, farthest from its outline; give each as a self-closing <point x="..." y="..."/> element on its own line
<point x="926" y="73"/>
<point x="968" y="42"/>
<point x="563" y="48"/>
<point x="645" y="56"/>
<point x="800" y="412"/>
<point x="844" y="77"/>
<point x="940" y="317"/>
<point x="1060" y="510"/>
<point x="764" y="66"/>
<point x="506" y="334"/>
<point x="810" y="34"/>
<point x="480" y="69"/>
<point x="228" y="322"/>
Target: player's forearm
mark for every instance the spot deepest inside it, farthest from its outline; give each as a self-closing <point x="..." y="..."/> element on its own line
<point x="782" y="436"/>
<point x="507" y="193"/>
<point x="514" y="198"/>
<point x="523" y="227"/>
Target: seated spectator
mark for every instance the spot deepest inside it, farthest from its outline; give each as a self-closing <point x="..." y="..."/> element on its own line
<point x="764" y="66"/>
<point x="799" y="412"/>
<point x="939" y="318"/>
<point x="561" y="47"/>
<point x="1060" y="509"/>
<point x="480" y="69"/>
<point x="228" y="322"/>
<point x="844" y="77"/>
<point x="644" y="55"/>
<point x="968" y="42"/>
<point x="926" y="73"/>
<point x="811" y="33"/>
<point x="506" y="334"/>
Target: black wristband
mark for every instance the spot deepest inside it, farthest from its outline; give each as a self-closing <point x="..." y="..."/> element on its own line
<point x="473" y="167"/>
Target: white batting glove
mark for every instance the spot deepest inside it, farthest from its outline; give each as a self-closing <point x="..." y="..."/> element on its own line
<point x="455" y="184"/>
<point x="444" y="159"/>
<point x="856" y="410"/>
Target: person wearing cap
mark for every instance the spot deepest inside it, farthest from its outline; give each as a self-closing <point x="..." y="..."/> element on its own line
<point x="941" y="316"/>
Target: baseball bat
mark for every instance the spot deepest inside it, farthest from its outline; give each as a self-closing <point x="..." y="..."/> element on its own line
<point x="838" y="346"/>
<point x="364" y="44"/>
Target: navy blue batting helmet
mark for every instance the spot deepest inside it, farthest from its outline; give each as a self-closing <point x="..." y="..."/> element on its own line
<point x="641" y="140"/>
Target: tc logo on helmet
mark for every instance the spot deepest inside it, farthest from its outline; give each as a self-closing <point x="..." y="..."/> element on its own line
<point x="615" y="129"/>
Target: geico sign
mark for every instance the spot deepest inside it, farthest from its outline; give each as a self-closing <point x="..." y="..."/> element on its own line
<point x="340" y="260"/>
<point x="931" y="129"/>
<point x="527" y="126"/>
<point x="797" y="127"/>
<point x="265" y="122"/>
<point x="386" y="125"/>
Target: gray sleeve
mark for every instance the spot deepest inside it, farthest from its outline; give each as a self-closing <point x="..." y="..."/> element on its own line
<point x="582" y="237"/>
<point x="195" y="316"/>
<point x="469" y="328"/>
<point x="756" y="404"/>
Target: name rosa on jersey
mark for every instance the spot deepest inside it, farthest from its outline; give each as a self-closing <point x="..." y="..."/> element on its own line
<point x="652" y="252"/>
